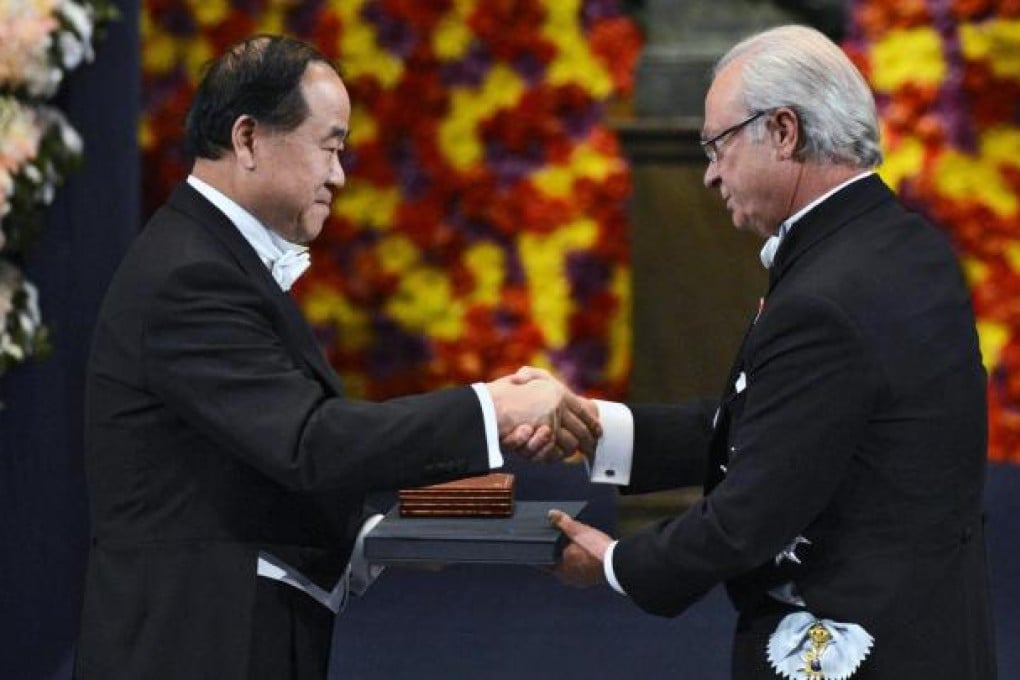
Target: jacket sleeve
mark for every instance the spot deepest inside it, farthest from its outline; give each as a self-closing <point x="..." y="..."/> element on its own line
<point x="670" y="445"/>
<point x="213" y="352"/>
<point x="810" y="383"/>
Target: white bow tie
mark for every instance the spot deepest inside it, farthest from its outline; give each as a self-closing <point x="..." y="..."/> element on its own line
<point x="287" y="268"/>
<point x="768" y="251"/>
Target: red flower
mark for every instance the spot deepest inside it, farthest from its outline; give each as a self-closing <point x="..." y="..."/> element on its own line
<point x="327" y="34"/>
<point x="966" y="10"/>
<point x="510" y="29"/>
<point x="237" y="26"/>
<point x="617" y="43"/>
<point x="422" y="14"/>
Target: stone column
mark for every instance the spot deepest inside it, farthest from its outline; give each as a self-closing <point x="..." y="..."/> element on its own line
<point x="684" y="40"/>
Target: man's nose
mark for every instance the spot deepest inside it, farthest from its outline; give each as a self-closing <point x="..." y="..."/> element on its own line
<point x="337" y="176"/>
<point x="711" y="176"/>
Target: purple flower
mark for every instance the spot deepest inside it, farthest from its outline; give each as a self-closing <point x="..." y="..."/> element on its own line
<point x="393" y="349"/>
<point x="411" y="174"/>
<point x="471" y="70"/>
<point x="178" y="21"/>
<point x="597" y="10"/>
<point x="530" y="68"/>
<point x="588" y="275"/>
<point x="511" y="167"/>
<point x="578" y="123"/>
<point x="394" y="34"/>
<point x="580" y="363"/>
<point x="301" y="20"/>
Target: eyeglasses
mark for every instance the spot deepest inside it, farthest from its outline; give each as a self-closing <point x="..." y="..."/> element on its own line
<point x="711" y="145"/>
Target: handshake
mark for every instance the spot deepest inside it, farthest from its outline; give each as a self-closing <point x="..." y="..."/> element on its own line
<point x="540" y="419"/>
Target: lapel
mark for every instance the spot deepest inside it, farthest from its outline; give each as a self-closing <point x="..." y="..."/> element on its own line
<point x="718" y="456"/>
<point x="825" y="220"/>
<point x="296" y="334"/>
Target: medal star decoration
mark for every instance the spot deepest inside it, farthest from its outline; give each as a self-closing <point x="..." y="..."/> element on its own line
<point x="805" y="647"/>
<point x="789" y="553"/>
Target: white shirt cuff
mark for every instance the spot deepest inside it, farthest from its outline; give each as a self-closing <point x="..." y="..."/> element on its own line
<point x="491" y="428"/>
<point x="607" y="567"/>
<point x="363" y="572"/>
<point x="615" y="449"/>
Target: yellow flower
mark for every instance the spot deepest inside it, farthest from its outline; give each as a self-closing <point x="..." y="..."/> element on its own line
<point x="146" y="138"/>
<point x="992" y="337"/>
<point x="424" y="303"/>
<point x="486" y="262"/>
<point x="368" y="205"/>
<point x="208" y="13"/>
<point x="324" y="306"/>
<point x="396" y="254"/>
<point x="967" y="178"/>
<point x="273" y="20"/>
<point x="554" y="180"/>
<point x="160" y="54"/>
<point x="453" y="36"/>
<point x="458" y="136"/>
<point x="1013" y="255"/>
<point x="363" y="127"/>
<point x="1001" y="145"/>
<point x="902" y="161"/>
<point x="361" y="52"/>
<point x="197" y="53"/>
<point x="584" y="161"/>
<point x="544" y="258"/>
<point x="574" y="61"/>
<point x="593" y="164"/>
<point x="997" y="41"/>
<point x="618" y="366"/>
<point x="974" y="270"/>
<point x="907" y="56"/>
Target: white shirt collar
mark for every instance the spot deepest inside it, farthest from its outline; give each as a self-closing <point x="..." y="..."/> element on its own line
<point x="286" y="261"/>
<point x="768" y="251"/>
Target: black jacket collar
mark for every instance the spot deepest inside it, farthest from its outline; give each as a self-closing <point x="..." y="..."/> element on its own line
<point x="826" y="219"/>
<point x="187" y="200"/>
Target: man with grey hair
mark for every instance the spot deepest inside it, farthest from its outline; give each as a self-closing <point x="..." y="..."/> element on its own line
<point x="843" y="467"/>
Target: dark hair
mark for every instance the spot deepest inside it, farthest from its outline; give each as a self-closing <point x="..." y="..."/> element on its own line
<point x="260" y="77"/>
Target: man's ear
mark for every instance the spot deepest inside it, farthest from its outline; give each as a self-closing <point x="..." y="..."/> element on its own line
<point x="242" y="138"/>
<point x="785" y="133"/>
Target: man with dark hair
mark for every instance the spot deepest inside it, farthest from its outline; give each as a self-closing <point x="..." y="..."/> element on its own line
<point x="843" y="467"/>
<point x="226" y="469"/>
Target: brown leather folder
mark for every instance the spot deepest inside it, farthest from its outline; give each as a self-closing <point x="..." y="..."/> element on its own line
<point x="490" y="495"/>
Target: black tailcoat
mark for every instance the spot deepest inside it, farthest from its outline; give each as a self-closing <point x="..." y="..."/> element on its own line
<point x="855" y="417"/>
<point x="215" y="429"/>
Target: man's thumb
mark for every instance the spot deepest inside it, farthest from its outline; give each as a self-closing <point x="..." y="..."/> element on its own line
<point x="563" y="522"/>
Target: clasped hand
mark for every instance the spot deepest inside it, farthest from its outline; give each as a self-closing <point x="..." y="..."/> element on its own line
<point x="542" y="420"/>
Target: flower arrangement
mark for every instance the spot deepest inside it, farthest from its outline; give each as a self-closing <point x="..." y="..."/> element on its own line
<point x="947" y="78"/>
<point x="40" y="41"/>
<point x="483" y="223"/>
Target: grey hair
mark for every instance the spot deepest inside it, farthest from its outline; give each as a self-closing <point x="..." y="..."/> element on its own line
<point x="799" y="68"/>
